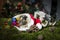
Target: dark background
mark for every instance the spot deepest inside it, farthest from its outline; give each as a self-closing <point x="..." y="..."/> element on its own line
<point x="48" y="5"/>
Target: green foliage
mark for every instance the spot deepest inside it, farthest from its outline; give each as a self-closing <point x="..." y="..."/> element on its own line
<point x="14" y="34"/>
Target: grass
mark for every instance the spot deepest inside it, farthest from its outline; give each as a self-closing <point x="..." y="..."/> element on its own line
<point x="13" y="34"/>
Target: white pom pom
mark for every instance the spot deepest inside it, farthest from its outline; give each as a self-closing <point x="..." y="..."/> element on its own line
<point x="39" y="25"/>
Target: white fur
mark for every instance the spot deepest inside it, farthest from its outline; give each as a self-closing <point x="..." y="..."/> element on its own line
<point x="41" y="13"/>
<point x="27" y="26"/>
<point x="39" y="26"/>
<point x="42" y="16"/>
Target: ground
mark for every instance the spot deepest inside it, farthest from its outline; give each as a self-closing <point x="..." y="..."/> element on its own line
<point x="8" y="32"/>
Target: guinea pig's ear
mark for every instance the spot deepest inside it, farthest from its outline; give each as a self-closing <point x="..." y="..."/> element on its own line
<point x="25" y="16"/>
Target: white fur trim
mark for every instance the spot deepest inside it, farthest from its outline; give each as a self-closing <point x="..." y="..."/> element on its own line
<point x="46" y="23"/>
<point x="29" y="20"/>
<point x="39" y="25"/>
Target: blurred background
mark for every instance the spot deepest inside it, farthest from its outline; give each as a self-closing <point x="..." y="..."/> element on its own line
<point x="51" y="6"/>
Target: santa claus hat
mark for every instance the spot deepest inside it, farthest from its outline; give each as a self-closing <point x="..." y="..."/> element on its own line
<point x="28" y="25"/>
